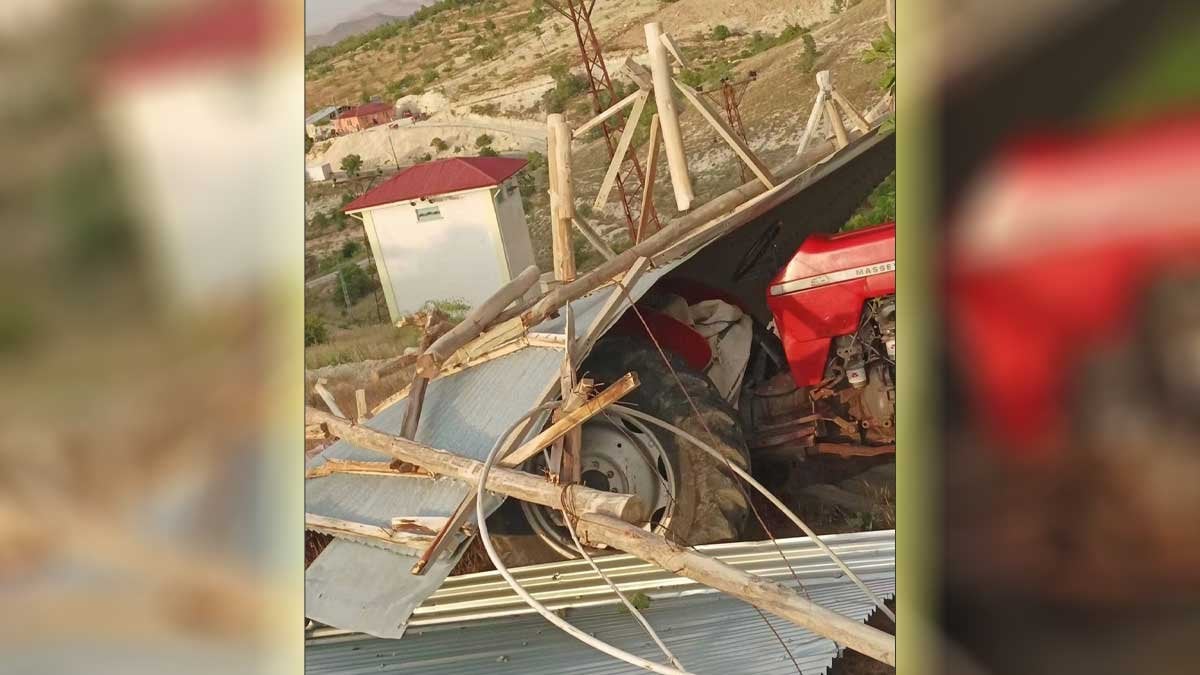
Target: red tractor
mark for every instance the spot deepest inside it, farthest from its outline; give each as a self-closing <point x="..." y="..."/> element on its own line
<point x="814" y="374"/>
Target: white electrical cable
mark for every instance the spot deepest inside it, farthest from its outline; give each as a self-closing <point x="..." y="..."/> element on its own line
<point x="745" y="475"/>
<point x="628" y="605"/>
<point x="550" y="616"/>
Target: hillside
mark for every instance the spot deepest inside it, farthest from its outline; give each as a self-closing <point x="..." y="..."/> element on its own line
<point x="372" y="16"/>
<point x="495" y="68"/>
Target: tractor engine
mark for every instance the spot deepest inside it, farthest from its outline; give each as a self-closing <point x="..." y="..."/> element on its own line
<point x="834" y="308"/>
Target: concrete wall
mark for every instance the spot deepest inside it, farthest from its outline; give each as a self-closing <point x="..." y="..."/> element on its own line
<point x="459" y="256"/>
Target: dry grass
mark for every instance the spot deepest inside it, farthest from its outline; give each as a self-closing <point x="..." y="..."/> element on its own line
<point x="361" y="344"/>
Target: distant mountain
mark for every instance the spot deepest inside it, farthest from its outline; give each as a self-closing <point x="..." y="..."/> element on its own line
<point x="371" y="16"/>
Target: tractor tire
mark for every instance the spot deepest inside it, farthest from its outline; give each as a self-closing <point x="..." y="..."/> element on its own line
<point x="710" y="504"/>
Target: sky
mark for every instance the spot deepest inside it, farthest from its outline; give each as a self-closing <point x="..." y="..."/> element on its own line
<point x="321" y="15"/>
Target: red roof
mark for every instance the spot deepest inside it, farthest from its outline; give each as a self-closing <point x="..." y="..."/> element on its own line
<point x="200" y="33"/>
<point x="365" y="109"/>
<point x="438" y="178"/>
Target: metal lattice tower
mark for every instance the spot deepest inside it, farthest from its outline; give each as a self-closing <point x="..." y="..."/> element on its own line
<point x="731" y="94"/>
<point x="631" y="178"/>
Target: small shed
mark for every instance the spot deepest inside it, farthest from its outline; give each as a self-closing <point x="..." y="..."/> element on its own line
<point x="317" y="125"/>
<point x="318" y="173"/>
<point x="364" y="116"/>
<point x="450" y="229"/>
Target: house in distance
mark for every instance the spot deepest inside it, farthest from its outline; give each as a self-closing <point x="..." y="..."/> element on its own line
<point x="364" y="116"/>
<point x="453" y="229"/>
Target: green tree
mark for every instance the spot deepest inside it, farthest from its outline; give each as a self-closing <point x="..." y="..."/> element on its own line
<point x="483" y="140"/>
<point x="488" y="151"/>
<point x="883" y="50"/>
<point x="351" y="164"/>
<point x="721" y="32"/>
<point x="429" y="75"/>
<point x="315" y="331"/>
<point x="357" y="282"/>
<point x="308" y="143"/>
<point x="439" y="145"/>
<point x="350" y="248"/>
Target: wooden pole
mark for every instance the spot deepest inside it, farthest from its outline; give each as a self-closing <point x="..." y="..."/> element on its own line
<point x="332" y="466"/>
<point x="345" y="528"/>
<point x="360" y="403"/>
<point x="618" y="158"/>
<point x="835" y="120"/>
<point x="327" y="397"/>
<point x="562" y="198"/>
<point x="475" y="322"/>
<point x="599" y="119"/>
<point x="731" y="139"/>
<point x="771" y="596"/>
<point x="593" y="238"/>
<point x="859" y="122"/>
<point x="501" y="480"/>
<point x="571" y="420"/>
<point x="814" y="119"/>
<point x="668" y="117"/>
<point x="648" y="187"/>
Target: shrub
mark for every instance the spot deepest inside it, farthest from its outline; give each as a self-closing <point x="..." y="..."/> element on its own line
<point x="461" y="27"/>
<point x="350" y="248"/>
<point x="721" y="32"/>
<point x="483" y="140"/>
<point x="315" y="331"/>
<point x="357" y="282"/>
<point x="429" y="75"/>
<point x="488" y="151"/>
<point x="439" y="145"/>
<point x="425" y="158"/>
<point x="351" y="164"/>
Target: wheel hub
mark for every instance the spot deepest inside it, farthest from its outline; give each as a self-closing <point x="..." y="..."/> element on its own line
<point x="621" y="455"/>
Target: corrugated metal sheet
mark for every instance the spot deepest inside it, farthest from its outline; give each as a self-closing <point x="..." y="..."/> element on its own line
<point x="708" y="631"/>
<point x="464" y="412"/>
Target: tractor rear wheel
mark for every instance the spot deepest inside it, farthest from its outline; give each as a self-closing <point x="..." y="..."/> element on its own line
<point x="695" y="500"/>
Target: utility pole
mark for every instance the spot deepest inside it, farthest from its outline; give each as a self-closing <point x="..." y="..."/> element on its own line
<point x="630" y="182"/>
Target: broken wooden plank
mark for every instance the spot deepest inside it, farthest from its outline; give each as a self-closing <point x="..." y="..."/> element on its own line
<point x="814" y="119"/>
<point x="669" y="43"/>
<point x="610" y="395"/>
<point x="602" y="117"/>
<point x="771" y="596"/>
<point x="639" y="74"/>
<point x="859" y="122"/>
<point x="502" y="480"/>
<point x="597" y="242"/>
<point x="338" y="527"/>
<point x="327" y="397"/>
<point x="314" y="432"/>
<point x="835" y="120"/>
<point x="475" y="322"/>
<point x="731" y="139"/>
<point x="332" y="466"/>
<point x="423" y="525"/>
<point x="618" y="157"/>
<point x="648" y="186"/>
<point x="360" y="404"/>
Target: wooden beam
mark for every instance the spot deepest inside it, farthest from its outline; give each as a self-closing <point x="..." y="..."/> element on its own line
<point x="346" y="528"/>
<point x="599" y="119"/>
<point x="669" y="43"/>
<point x="731" y="139"/>
<point x="648" y="186"/>
<point x="639" y="74"/>
<point x="859" y="122"/>
<point x="424" y="525"/>
<point x="360" y="403"/>
<point x="475" y="322"/>
<point x="660" y="70"/>
<point x="571" y="420"/>
<point x="814" y="119"/>
<point x="327" y="397"/>
<point x="501" y="480"/>
<point x="332" y="466"/>
<point x="835" y="120"/>
<point x="615" y="298"/>
<point x="593" y="237"/>
<point x="618" y="157"/>
<point x="771" y="596"/>
<point x="563" y="198"/>
<point x="314" y="432"/>
<point x="458" y="521"/>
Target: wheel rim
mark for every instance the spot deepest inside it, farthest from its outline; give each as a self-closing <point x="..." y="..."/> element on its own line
<point x="620" y="454"/>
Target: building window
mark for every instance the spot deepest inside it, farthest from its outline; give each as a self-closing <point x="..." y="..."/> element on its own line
<point x="425" y="213"/>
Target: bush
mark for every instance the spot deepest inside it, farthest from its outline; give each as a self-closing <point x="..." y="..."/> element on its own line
<point x="429" y="75"/>
<point x="425" y="158"/>
<point x="439" y="145"/>
<point x="357" y="282"/>
<point x="351" y="164"/>
<point x="350" y="248"/>
<point x="315" y="331"/>
<point x="721" y="32"/>
<point x="488" y="151"/>
<point x="483" y="140"/>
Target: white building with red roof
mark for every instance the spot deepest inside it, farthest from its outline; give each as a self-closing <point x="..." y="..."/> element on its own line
<point x="453" y="229"/>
